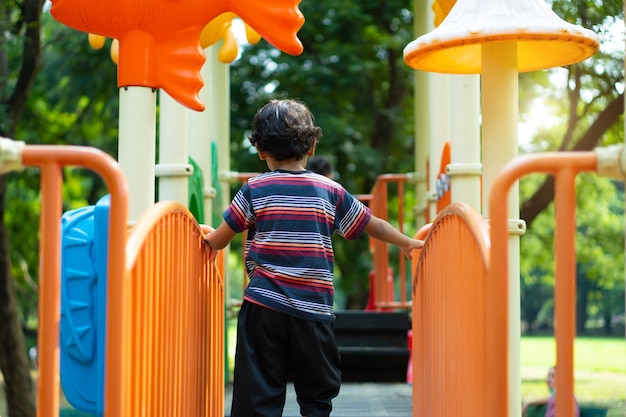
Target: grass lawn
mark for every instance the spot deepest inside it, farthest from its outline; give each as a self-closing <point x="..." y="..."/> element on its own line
<point x="599" y="369"/>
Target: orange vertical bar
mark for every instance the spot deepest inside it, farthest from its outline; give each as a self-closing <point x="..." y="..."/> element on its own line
<point x="382" y="249"/>
<point x="565" y="289"/>
<point x="402" y="260"/>
<point x="497" y="300"/>
<point x="50" y="291"/>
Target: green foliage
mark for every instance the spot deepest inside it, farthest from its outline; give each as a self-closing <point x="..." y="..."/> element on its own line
<point x="21" y="217"/>
<point x="600" y="252"/>
<point x="73" y="102"/>
<point x="74" y="99"/>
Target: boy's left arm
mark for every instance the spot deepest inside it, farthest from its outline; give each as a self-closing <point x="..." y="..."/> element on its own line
<point x="218" y="238"/>
<point x="382" y="230"/>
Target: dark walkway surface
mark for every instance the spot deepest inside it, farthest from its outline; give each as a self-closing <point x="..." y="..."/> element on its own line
<point x="356" y="399"/>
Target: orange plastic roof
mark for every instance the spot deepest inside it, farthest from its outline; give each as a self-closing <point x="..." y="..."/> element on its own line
<point x="159" y="40"/>
<point x="543" y="39"/>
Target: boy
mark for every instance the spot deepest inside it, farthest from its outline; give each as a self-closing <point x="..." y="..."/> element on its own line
<point x="286" y="319"/>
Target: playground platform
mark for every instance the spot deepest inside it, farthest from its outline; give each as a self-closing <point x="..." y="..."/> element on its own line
<point x="355" y="399"/>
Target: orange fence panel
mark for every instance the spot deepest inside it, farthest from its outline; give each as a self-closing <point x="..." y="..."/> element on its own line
<point x="449" y="316"/>
<point x="176" y="320"/>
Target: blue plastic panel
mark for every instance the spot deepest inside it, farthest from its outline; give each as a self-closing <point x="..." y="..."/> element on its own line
<point x="84" y="243"/>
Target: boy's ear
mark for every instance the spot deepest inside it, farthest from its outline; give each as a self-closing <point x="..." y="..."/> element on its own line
<point x="262" y="155"/>
<point x="312" y="150"/>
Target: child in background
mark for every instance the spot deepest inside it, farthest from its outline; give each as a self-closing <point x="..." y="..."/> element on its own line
<point x="286" y="319"/>
<point x="320" y="165"/>
<point x="549" y="402"/>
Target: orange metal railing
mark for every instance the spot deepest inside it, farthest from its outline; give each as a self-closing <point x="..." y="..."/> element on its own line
<point x="165" y="300"/>
<point x="384" y="295"/>
<point x="51" y="160"/>
<point x="460" y="291"/>
<point x="564" y="166"/>
<point x="176" y="337"/>
<point x="448" y="354"/>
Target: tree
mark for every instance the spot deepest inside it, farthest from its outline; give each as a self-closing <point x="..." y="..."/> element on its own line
<point x="19" y="22"/>
<point x="70" y="100"/>
<point x="590" y="102"/>
<point x="599" y="252"/>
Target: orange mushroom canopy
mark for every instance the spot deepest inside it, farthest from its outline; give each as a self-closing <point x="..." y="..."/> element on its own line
<point x="543" y="39"/>
<point x="159" y="40"/>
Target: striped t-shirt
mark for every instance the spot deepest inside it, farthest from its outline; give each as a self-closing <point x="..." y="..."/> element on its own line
<point x="291" y="216"/>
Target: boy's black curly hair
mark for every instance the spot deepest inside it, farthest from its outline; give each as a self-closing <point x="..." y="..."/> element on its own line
<point x="284" y="129"/>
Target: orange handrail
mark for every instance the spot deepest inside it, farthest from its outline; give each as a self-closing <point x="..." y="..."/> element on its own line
<point x="564" y="166"/>
<point x="449" y="315"/>
<point x="51" y="160"/>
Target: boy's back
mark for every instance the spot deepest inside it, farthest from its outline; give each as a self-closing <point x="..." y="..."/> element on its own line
<point x="289" y="254"/>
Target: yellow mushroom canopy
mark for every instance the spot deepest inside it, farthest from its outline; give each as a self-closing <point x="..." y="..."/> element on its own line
<point x="543" y="39"/>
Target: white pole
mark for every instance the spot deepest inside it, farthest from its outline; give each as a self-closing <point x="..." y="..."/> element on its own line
<point x="136" y="146"/>
<point x="499" y="146"/>
<point x="220" y="126"/>
<point x="440" y="126"/>
<point x="423" y="14"/>
<point x="464" y="169"/>
<point x="173" y="169"/>
<point x="200" y="138"/>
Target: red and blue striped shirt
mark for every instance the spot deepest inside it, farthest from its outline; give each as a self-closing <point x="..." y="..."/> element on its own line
<point x="290" y="217"/>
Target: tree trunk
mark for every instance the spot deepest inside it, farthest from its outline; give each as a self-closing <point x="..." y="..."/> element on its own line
<point x="13" y="357"/>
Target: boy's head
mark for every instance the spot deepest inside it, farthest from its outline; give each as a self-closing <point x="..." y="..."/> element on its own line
<point x="284" y="129"/>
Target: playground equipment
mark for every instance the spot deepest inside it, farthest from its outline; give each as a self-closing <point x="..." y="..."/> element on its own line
<point x="161" y="310"/>
<point x="146" y="299"/>
<point x="135" y="382"/>
<point x="470" y="376"/>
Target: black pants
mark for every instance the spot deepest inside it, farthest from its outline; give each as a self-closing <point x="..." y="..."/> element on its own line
<point x="269" y="344"/>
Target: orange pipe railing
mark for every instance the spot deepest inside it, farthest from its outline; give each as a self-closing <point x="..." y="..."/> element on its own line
<point x="51" y="160"/>
<point x="564" y="166"/>
<point x="448" y="351"/>
<point x="383" y="297"/>
<point x="176" y="339"/>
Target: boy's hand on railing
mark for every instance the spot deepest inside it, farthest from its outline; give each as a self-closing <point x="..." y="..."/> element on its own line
<point x="207" y="230"/>
<point x="413" y="245"/>
<point x="382" y="230"/>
